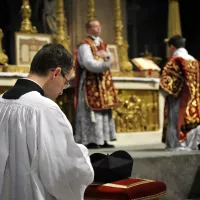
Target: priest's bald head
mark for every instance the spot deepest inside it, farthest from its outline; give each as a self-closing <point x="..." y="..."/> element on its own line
<point x="51" y="68"/>
<point x="93" y="27"/>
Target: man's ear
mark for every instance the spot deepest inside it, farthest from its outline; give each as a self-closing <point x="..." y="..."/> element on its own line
<point x="56" y="72"/>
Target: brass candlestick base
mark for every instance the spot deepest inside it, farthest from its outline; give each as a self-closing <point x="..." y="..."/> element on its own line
<point x="61" y="32"/>
<point x="125" y="64"/>
<point x="26" y="25"/>
<point x="3" y="56"/>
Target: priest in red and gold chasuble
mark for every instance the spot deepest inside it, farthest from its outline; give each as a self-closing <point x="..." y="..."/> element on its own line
<point x="100" y="91"/>
<point x="95" y="94"/>
<point x="180" y="78"/>
<point x="180" y="82"/>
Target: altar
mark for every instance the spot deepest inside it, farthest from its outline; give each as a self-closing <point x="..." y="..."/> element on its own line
<point x="138" y="119"/>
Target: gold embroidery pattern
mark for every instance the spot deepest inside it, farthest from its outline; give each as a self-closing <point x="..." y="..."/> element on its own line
<point x="172" y="79"/>
<point x="191" y="69"/>
<point x="128" y="186"/>
<point x="177" y="72"/>
<point x="100" y="91"/>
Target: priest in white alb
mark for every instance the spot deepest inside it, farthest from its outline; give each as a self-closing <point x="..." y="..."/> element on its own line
<point x="39" y="159"/>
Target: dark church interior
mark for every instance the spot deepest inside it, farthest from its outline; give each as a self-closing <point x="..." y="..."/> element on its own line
<point x="146" y="24"/>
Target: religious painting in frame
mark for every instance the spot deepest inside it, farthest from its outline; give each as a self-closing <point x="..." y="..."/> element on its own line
<point x="26" y="46"/>
<point x="113" y="50"/>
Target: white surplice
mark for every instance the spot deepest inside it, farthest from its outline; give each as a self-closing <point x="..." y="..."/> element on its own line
<point x="183" y="53"/>
<point x="39" y="159"/>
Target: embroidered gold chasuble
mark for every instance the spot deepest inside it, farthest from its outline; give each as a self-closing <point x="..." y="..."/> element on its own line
<point x="181" y="78"/>
<point x="99" y="88"/>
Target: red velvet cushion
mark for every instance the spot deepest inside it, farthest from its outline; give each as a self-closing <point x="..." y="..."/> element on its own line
<point x="127" y="189"/>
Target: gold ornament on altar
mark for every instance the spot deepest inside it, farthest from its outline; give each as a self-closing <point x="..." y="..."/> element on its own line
<point x="138" y="111"/>
<point x="26" y="25"/>
<point x="61" y="32"/>
<point x="91" y="9"/>
<point x="3" y="56"/>
<point x="125" y="64"/>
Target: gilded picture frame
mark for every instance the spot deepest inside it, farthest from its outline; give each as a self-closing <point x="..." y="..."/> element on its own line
<point x="26" y="46"/>
<point x="114" y="53"/>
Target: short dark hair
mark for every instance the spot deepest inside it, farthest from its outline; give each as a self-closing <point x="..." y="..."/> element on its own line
<point x="177" y="41"/>
<point x="88" y="24"/>
<point x="51" y="56"/>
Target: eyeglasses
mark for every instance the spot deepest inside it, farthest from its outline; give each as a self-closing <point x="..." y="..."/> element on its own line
<point x="67" y="84"/>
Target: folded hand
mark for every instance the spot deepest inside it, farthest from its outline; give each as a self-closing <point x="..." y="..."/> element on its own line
<point x="102" y="54"/>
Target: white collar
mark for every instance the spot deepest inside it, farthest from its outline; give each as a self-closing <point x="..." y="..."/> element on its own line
<point x="97" y="40"/>
<point x="180" y="51"/>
